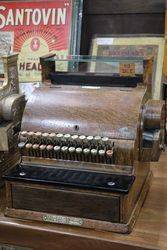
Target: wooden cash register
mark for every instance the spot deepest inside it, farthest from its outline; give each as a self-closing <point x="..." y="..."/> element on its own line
<point x="86" y="143"/>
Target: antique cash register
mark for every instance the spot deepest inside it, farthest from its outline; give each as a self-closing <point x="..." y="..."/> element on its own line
<point x="11" y="109"/>
<point x="86" y="142"/>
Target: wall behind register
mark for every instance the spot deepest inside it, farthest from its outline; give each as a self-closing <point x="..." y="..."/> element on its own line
<point x="121" y="17"/>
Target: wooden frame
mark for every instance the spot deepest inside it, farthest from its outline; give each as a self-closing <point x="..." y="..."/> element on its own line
<point x="135" y="46"/>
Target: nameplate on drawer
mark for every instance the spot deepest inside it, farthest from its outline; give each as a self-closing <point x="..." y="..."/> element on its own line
<point x="63" y="220"/>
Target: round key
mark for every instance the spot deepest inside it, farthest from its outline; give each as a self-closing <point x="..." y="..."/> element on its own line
<point x="71" y="150"/>
<point x="86" y="151"/>
<point x="109" y="153"/>
<point x="94" y="151"/>
<point x="42" y="147"/>
<point x="24" y="133"/>
<point x="64" y="149"/>
<point x="102" y="152"/>
<point x="21" y="145"/>
<point x="29" y="149"/>
<point x="57" y="151"/>
<point x="35" y="146"/>
<point x="49" y="147"/>
<point x="52" y="135"/>
<point x="28" y="145"/>
<point x="30" y="134"/>
<point x="74" y="137"/>
<point x="45" y="135"/>
<point x="97" y="138"/>
<point x="67" y="136"/>
<point x="102" y="155"/>
<point x="57" y="148"/>
<point x="59" y="136"/>
<point x="90" y="138"/>
<point x="87" y="154"/>
<point x="38" y="134"/>
<point x="78" y="150"/>
<point x="105" y="139"/>
<point x="79" y="154"/>
<point x="82" y="137"/>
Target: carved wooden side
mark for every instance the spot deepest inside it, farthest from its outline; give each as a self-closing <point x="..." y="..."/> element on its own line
<point x="153" y="130"/>
<point x="147" y="76"/>
<point x="11" y="110"/>
<point x="141" y="172"/>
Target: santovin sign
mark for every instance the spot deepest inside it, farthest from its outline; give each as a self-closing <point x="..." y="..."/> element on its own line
<point x="31" y="16"/>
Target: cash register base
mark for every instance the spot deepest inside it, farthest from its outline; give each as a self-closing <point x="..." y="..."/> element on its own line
<point x="108" y="211"/>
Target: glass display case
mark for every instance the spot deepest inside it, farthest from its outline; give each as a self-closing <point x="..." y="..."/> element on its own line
<point x="93" y="70"/>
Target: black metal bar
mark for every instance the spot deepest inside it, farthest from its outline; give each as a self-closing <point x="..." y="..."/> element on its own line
<point x="70" y="178"/>
<point x="93" y="79"/>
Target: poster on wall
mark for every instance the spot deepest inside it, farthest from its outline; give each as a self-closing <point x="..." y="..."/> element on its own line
<point x="40" y="28"/>
<point x="133" y="47"/>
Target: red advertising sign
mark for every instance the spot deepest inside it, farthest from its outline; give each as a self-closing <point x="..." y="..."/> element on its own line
<point x="39" y="28"/>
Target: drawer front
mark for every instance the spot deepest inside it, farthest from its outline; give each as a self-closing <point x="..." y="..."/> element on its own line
<point x="77" y="203"/>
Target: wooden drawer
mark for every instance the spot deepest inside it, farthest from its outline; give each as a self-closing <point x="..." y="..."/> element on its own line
<point x="79" y="203"/>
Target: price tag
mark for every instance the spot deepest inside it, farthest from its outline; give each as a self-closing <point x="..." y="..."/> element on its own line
<point x="127" y="69"/>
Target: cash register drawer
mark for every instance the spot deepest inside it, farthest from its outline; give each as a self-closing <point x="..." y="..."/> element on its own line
<point x="78" y="203"/>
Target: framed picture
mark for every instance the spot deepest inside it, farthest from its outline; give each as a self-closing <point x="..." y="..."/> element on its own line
<point x="133" y="47"/>
<point x="39" y="28"/>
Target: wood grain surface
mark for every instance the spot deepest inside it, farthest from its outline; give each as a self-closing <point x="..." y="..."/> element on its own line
<point x="123" y="6"/>
<point x="69" y="106"/>
<point x="150" y="231"/>
<point x="68" y="203"/>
